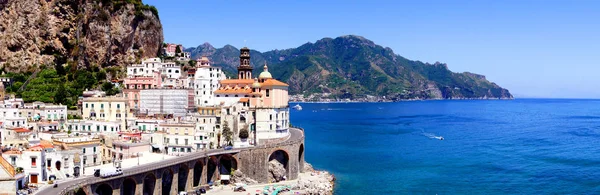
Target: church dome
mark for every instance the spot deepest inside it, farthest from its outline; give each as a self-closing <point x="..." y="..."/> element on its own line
<point x="265" y="74"/>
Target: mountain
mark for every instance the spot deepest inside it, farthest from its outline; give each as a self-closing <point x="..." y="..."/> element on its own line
<point x="353" y="67"/>
<point x="80" y="33"/>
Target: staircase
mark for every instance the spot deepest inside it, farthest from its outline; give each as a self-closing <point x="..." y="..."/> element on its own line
<point x="29" y="79"/>
<point x="59" y="174"/>
<point x="10" y="170"/>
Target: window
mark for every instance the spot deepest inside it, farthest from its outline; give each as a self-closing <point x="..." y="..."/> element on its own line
<point x="84" y="150"/>
<point x="49" y="164"/>
<point x="271" y="127"/>
<point x="86" y="105"/>
<point x="270" y="117"/>
<point x="174" y="149"/>
<point x="33" y="161"/>
<point x="94" y="149"/>
<point x="186" y="142"/>
<point x="176" y="140"/>
<point x="101" y="106"/>
<point x="118" y="106"/>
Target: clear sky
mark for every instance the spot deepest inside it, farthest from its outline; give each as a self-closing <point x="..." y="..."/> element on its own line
<point x="542" y="48"/>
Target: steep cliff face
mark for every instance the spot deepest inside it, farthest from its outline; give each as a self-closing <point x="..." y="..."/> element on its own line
<point x="80" y="33"/>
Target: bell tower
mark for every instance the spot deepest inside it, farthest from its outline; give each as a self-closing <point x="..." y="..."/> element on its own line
<point x="244" y="70"/>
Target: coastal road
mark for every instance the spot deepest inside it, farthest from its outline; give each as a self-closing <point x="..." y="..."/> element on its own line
<point x="295" y="134"/>
<point x="134" y="170"/>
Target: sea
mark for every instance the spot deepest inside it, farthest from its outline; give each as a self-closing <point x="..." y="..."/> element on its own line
<point x="521" y="146"/>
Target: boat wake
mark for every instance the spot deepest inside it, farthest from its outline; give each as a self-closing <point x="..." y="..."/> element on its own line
<point x="432" y="136"/>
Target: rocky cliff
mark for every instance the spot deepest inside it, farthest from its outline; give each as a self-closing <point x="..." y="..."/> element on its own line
<point x="77" y="33"/>
<point x="354" y="67"/>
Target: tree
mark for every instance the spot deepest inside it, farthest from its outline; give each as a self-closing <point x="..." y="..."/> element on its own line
<point x="192" y="63"/>
<point x="101" y="75"/>
<point x="61" y="95"/>
<point x="227" y="134"/>
<point x="244" y="133"/>
<point x="178" y="49"/>
<point x="107" y="87"/>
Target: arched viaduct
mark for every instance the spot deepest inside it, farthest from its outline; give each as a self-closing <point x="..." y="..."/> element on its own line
<point x="195" y="170"/>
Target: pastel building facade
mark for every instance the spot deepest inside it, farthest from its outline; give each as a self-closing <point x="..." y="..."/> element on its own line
<point x="110" y="109"/>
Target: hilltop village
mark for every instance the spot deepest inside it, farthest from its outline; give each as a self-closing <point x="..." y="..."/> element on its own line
<point x="163" y="112"/>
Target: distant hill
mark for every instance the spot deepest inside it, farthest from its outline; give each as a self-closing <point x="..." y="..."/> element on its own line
<point x="353" y="66"/>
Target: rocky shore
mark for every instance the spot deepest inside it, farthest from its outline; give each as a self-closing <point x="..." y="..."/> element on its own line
<point x="310" y="182"/>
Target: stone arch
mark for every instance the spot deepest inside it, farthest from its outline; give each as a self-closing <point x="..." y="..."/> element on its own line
<point x="149" y="184"/>
<point x="211" y="168"/>
<point x="198" y="173"/>
<point x="282" y="157"/>
<point x="128" y="186"/>
<point x="80" y="191"/>
<point x="226" y="163"/>
<point x="103" y="189"/>
<point x="167" y="181"/>
<point x="182" y="177"/>
<point x="57" y="164"/>
<point x="301" y="158"/>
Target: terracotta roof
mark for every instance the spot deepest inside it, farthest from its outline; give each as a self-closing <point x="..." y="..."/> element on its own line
<point x="12" y="152"/>
<point x="21" y="130"/>
<point x="234" y="91"/>
<point x="273" y="82"/>
<point x="46" y="144"/>
<point x="244" y="99"/>
<point x="237" y="81"/>
<point x="35" y="148"/>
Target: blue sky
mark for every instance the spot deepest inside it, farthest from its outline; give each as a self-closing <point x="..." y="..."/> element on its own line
<point x="533" y="48"/>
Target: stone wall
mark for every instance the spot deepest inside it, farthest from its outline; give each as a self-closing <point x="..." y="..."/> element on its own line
<point x="253" y="162"/>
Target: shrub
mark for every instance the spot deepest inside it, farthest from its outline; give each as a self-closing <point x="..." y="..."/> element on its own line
<point x="244" y="134"/>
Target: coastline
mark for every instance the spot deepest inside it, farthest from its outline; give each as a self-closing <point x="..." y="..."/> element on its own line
<point x="310" y="182"/>
<point x="392" y="101"/>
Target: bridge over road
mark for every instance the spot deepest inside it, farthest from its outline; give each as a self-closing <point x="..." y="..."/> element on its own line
<point x="191" y="171"/>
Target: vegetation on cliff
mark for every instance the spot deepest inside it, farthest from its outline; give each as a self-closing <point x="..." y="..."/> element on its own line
<point x="54" y="86"/>
<point x="352" y="67"/>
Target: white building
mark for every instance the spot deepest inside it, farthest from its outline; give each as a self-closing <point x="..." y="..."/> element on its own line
<point x="145" y="124"/>
<point x="205" y="82"/>
<point x="146" y="69"/>
<point x="11" y="117"/>
<point x="92" y="126"/>
<point x="171" y="70"/>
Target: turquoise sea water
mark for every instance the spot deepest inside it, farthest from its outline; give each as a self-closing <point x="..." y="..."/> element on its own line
<point x="524" y="146"/>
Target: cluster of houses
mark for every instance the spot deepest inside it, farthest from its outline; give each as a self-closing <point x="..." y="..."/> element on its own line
<point x="162" y="109"/>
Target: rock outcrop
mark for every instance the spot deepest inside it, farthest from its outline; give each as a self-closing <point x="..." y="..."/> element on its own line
<point x="277" y="171"/>
<point x="317" y="182"/>
<point x="80" y="33"/>
<point x="239" y="177"/>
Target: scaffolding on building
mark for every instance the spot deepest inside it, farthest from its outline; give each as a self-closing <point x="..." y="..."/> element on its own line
<point x="164" y="102"/>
